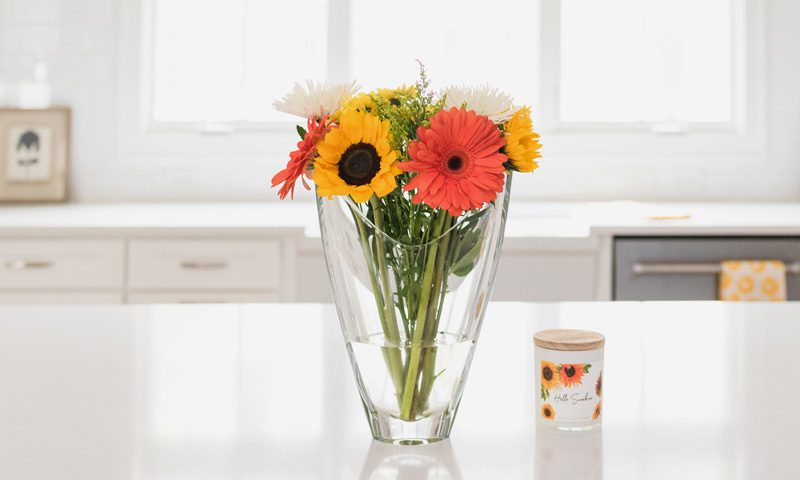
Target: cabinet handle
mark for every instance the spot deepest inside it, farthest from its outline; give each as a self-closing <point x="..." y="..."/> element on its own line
<point x="640" y="268"/>
<point x="20" y="265"/>
<point x="204" y="265"/>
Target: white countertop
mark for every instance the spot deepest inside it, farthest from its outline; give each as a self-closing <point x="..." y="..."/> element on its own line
<point x="538" y="220"/>
<point x="692" y="391"/>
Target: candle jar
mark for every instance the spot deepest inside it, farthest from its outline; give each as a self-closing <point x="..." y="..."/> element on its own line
<point x="569" y="379"/>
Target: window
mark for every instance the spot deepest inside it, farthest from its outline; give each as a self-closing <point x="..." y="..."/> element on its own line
<point x="459" y="41"/>
<point x="635" y="78"/>
<point x="664" y="65"/>
<point x="226" y="61"/>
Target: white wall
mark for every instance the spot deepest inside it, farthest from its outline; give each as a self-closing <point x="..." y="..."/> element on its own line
<point x="80" y="40"/>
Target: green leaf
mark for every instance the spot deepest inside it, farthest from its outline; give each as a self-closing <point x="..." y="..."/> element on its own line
<point x="468" y="252"/>
<point x="587" y="367"/>
<point x="301" y="131"/>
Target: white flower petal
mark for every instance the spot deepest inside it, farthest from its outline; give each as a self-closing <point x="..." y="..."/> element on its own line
<point x="484" y="99"/>
<point x="315" y="98"/>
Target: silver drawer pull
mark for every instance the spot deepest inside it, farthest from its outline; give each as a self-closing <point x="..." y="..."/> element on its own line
<point x="204" y="265"/>
<point x="20" y="265"/>
<point x="640" y="268"/>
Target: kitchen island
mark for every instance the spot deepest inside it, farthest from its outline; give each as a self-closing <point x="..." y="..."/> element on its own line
<point x="695" y="390"/>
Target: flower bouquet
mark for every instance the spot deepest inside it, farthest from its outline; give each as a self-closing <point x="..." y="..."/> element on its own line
<point x="412" y="193"/>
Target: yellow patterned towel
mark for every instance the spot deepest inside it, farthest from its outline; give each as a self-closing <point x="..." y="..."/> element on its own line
<point x="753" y="281"/>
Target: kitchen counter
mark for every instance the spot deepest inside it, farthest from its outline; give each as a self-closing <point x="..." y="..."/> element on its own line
<point x="540" y="220"/>
<point x="691" y="391"/>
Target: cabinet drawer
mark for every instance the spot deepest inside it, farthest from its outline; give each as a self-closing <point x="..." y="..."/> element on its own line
<point x="43" y="264"/>
<point x="204" y="264"/>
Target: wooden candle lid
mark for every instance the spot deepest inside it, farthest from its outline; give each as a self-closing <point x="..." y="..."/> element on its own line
<point x="567" y="339"/>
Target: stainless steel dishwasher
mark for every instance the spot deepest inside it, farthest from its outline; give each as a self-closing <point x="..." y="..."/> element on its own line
<point x="687" y="268"/>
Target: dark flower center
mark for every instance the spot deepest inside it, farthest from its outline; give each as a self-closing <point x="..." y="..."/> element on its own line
<point x="547" y="373"/>
<point x="394" y="102"/>
<point x="455" y="162"/>
<point x="570" y="371"/>
<point x="547" y="412"/>
<point x="359" y="164"/>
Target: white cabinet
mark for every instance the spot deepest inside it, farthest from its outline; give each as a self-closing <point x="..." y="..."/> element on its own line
<point x="61" y="264"/>
<point x="545" y="277"/>
<point x="147" y="270"/>
<point x="204" y="264"/>
<point x="217" y="253"/>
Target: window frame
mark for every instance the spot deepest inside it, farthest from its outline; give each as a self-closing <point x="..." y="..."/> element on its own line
<point x="138" y="133"/>
<point x="743" y="136"/>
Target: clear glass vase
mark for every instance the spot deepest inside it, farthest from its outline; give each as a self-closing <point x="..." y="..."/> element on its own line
<point x="411" y="308"/>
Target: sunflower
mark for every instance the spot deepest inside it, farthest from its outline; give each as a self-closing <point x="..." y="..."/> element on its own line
<point x="457" y="160"/>
<point x="548" y="411"/>
<point x="549" y="377"/>
<point x="598" y="409"/>
<point x="570" y="374"/>
<point x="355" y="158"/>
<point x="598" y="387"/>
<point x="521" y="146"/>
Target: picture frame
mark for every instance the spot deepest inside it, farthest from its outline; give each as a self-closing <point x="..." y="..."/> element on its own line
<point x="34" y="154"/>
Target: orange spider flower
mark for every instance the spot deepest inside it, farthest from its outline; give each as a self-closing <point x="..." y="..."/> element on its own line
<point x="457" y="160"/>
<point x="302" y="157"/>
<point x="570" y="374"/>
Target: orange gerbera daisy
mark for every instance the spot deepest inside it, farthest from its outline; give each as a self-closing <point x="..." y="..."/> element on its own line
<point x="302" y="157"/>
<point x="457" y="160"/>
<point x="548" y="411"/>
<point x="570" y="374"/>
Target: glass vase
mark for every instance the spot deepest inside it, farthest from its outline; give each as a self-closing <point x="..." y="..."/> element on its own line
<point x="411" y="308"/>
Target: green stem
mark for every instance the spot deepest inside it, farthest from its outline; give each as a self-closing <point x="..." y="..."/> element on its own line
<point x="434" y="315"/>
<point x="391" y="354"/>
<point x="412" y="370"/>
<point x="380" y="247"/>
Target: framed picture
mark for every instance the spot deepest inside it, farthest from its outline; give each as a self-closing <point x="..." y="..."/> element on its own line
<point x="34" y="153"/>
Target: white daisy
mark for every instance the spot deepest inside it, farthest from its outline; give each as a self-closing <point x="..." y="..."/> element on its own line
<point x="315" y="98"/>
<point x="484" y="99"/>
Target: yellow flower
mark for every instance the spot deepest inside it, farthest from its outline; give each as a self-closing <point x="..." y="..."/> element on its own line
<point x="360" y="103"/>
<point x="521" y="142"/>
<point x="394" y="95"/>
<point x="549" y="377"/>
<point x="356" y="159"/>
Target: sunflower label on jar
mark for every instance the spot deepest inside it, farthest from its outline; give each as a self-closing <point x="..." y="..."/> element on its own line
<point x="569" y="379"/>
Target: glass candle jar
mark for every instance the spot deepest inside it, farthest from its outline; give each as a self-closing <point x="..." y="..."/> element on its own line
<point x="569" y="379"/>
